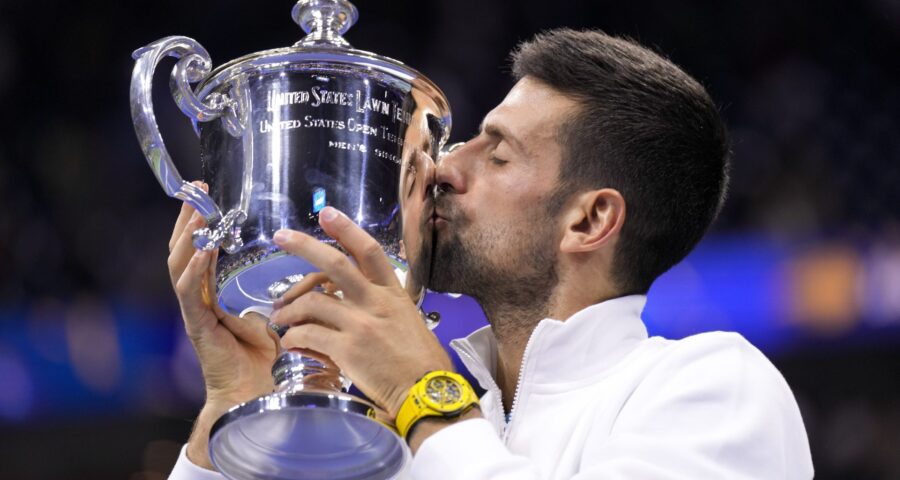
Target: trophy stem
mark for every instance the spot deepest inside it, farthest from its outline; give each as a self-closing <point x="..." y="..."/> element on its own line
<point x="308" y="428"/>
<point x="301" y="370"/>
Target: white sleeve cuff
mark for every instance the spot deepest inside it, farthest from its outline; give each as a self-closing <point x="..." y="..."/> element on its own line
<point x="469" y="449"/>
<point x="186" y="470"/>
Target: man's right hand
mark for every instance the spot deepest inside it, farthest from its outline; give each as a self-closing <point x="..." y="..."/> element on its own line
<point x="236" y="354"/>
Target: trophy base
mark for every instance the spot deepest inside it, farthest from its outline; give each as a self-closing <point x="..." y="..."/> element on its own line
<point x="246" y="279"/>
<point x="306" y="434"/>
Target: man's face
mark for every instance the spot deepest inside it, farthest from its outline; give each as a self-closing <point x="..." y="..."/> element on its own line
<point x="496" y="229"/>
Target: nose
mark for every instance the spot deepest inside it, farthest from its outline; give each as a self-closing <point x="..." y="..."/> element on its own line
<point x="448" y="173"/>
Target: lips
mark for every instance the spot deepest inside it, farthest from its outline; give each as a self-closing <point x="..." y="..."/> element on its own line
<point x="437" y="217"/>
<point x="444" y="210"/>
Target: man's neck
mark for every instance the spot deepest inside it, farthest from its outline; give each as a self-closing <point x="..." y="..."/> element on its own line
<point x="512" y="328"/>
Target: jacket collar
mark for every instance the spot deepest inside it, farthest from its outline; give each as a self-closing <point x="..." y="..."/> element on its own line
<point x="563" y="351"/>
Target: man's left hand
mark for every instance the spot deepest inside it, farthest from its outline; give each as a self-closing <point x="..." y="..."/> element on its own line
<point x="375" y="332"/>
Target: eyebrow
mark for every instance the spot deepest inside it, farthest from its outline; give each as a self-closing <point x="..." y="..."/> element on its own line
<point x="495" y="130"/>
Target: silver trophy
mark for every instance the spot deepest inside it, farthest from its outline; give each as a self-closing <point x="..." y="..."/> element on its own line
<point x="284" y="133"/>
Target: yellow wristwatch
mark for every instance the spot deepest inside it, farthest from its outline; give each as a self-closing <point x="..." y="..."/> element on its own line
<point x="437" y="394"/>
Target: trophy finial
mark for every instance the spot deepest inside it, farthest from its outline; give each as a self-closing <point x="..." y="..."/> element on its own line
<point x="324" y="21"/>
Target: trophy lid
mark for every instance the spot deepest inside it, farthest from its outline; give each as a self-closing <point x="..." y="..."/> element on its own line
<point x="325" y="22"/>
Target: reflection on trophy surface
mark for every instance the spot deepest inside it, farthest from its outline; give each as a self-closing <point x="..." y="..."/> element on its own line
<point x="417" y="172"/>
<point x="283" y="134"/>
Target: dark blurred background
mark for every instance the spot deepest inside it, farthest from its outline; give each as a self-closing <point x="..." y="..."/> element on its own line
<point x="97" y="380"/>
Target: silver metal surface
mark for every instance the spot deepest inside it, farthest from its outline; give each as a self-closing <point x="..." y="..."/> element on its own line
<point x="324" y="21"/>
<point x="279" y="288"/>
<point x="284" y="133"/>
<point x="194" y="64"/>
<point x="292" y="140"/>
<point x="306" y="435"/>
<point x="225" y="233"/>
<point x="296" y="370"/>
<point x="432" y="319"/>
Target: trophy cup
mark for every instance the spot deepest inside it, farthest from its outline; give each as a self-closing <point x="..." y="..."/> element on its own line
<point x="284" y="133"/>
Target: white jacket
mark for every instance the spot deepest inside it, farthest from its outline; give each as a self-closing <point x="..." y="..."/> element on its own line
<point x="599" y="399"/>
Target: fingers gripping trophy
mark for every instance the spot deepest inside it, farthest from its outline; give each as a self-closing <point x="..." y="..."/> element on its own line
<point x="285" y="133"/>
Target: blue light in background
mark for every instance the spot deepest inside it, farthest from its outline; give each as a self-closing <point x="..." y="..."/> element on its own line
<point x="727" y="283"/>
<point x="16" y="387"/>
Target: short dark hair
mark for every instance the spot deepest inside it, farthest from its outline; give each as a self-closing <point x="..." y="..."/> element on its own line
<point x="645" y="128"/>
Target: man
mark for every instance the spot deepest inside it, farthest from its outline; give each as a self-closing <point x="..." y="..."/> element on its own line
<point x="601" y="169"/>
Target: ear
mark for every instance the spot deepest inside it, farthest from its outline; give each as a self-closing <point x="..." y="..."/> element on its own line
<point x="593" y="221"/>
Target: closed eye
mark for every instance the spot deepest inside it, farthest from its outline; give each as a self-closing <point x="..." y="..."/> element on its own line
<point x="498" y="161"/>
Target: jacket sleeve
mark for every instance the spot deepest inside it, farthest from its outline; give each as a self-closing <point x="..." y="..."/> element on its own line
<point x="712" y="407"/>
<point x="186" y="470"/>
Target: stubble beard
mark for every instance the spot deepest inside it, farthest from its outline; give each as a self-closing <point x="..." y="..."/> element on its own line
<point x="511" y="271"/>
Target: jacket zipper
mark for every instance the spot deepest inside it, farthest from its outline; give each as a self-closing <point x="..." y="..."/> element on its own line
<point x="512" y="409"/>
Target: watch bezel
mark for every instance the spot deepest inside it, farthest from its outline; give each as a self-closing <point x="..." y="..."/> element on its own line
<point x="445" y="408"/>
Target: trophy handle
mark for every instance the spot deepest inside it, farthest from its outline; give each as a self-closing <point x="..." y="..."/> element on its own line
<point x="194" y="65"/>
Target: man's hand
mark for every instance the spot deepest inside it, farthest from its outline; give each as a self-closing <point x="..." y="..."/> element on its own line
<point x="375" y="332"/>
<point x="236" y="354"/>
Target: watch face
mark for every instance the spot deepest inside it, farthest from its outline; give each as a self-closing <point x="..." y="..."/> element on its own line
<point x="443" y="391"/>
